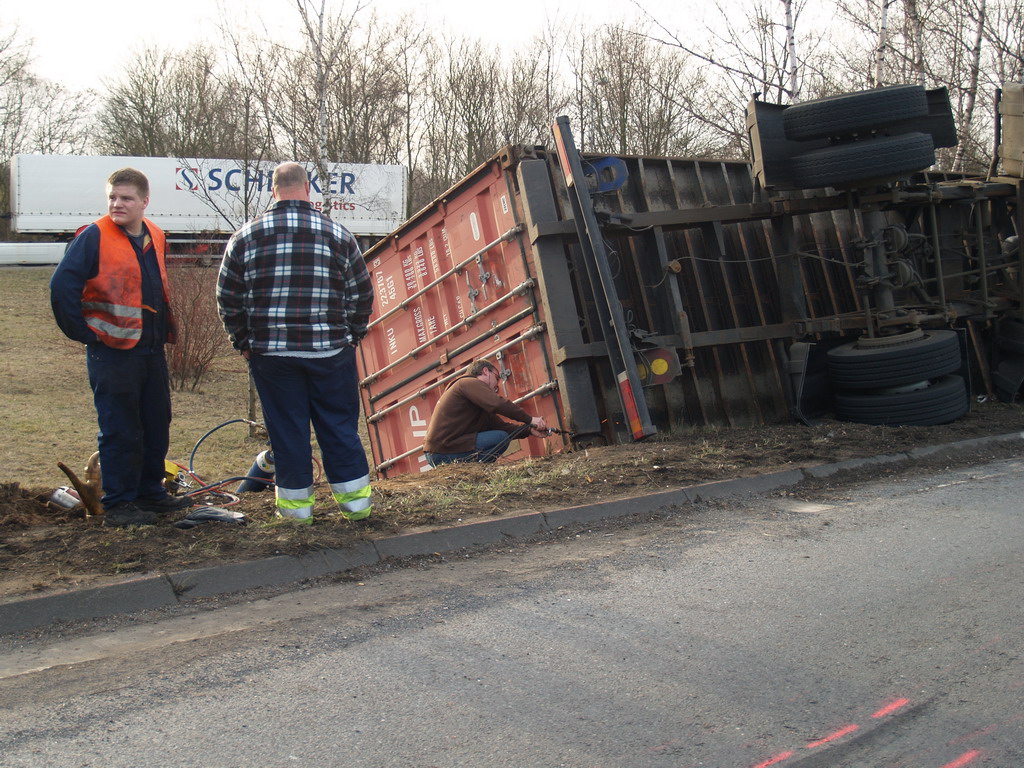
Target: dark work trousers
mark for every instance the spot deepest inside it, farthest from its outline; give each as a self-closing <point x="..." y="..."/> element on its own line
<point x="489" y="447"/>
<point x="295" y="391"/>
<point x="133" y="407"/>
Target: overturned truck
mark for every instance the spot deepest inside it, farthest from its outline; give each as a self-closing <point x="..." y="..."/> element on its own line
<point x="623" y="296"/>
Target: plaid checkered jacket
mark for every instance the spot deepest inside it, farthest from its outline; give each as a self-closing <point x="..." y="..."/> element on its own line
<point x="293" y="280"/>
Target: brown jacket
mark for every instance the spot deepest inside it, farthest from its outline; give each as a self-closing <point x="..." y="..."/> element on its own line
<point x="467" y="407"/>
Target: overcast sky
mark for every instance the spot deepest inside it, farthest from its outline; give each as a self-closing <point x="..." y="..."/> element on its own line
<point x="80" y="42"/>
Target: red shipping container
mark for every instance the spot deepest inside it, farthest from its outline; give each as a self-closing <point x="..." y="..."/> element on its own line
<point x="455" y="284"/>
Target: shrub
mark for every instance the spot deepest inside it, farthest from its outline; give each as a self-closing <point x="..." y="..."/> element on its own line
<point x="201" y="336"/>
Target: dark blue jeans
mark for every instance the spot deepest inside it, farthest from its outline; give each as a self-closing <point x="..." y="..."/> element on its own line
<point x="489" y="446"/>
<point x="132" y="396"/>
<point x="324" y="391"/>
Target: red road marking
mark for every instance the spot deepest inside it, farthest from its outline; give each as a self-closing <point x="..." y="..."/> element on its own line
<point x="833" y="736"/>
<point x="890" y="708"/>
<point x="967" y="757"/>
<point x="964" y="759"/>
<point x="775" y="760"/>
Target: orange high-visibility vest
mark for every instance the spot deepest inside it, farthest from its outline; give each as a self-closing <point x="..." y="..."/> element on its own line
<point x="112" y="301"/>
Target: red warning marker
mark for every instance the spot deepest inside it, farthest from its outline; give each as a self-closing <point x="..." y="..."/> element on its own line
<point x="833" y="736"/>
<point x="965" y="759"/>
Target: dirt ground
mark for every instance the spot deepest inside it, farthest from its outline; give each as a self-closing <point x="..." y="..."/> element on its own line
<point x="43" y="547"/>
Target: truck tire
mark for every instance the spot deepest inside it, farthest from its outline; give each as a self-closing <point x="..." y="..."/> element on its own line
<point x="940" y="402"/>
<point x="935" y="354"/>
<point x="884" y="157"/>
<point x="851" y="113"/>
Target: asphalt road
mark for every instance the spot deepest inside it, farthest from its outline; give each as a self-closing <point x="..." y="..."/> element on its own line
<point x="877" y="626"/>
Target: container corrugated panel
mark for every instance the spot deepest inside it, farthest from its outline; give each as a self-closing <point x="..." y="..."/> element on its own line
<point x="725" y="301"/>
<point x="726" y="283"/>
<point x="454" y="284"/>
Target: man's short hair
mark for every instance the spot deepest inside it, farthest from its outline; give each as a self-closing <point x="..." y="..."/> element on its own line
<point x="130" y="176"/>
<point x="288" y="175"/>
<point x="480" y="366"/>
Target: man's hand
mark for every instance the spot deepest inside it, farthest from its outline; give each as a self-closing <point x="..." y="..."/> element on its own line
<point x="539" y="427"/>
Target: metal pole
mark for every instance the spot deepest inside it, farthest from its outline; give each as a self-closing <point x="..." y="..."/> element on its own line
<point x="620" y="351"/>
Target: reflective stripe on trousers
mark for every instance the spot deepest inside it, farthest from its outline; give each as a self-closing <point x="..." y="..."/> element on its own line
<point x="295" y="502"/>
<point x="353" y="497"/>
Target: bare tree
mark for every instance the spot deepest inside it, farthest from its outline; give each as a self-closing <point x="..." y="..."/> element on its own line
<point x="936" y="43"/>
<point x="326" y="38"/>
<point x="201" y="123"/>
<point x="15" y="79"/>
<point x="863" y="62"/>
<point x="414" y="50"/>
<point x="251" y="71"/>
<point x="638" y="95"/>
<point x="130" y="121"/>
<point x="739" y="57"/>
<point x="170" y="105"/>
<point x="755" y="54"/>
<point x="1004" y="34"/>
<point x="15" y="82"/>
<point x="914" y="35"/>
<point x="578" y="55"/>
<point x="462" y="129"/>
<point x="883" y="41"/>
<point x="792" y="64"/>
<point x="530" y="96"/>
<point x="60" y="119"/>
<point x="955" y="56"/>
<point x="36" y="115"/>
<point x="971" y="95"/>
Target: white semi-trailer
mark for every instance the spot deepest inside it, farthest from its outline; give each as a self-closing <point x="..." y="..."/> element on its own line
<point x="197" y="202"/>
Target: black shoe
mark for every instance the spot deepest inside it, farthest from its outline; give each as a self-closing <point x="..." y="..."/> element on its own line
<point x="165" y="504"/>
<point x="127" y="513"/>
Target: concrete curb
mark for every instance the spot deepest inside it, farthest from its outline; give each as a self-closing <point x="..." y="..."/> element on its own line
<point x="136" y="595"/>
<point x="163" y="590"/>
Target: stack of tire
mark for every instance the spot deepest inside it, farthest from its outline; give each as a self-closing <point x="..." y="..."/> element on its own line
<point x="868" y="137"/>
<point x="904" y="380"/>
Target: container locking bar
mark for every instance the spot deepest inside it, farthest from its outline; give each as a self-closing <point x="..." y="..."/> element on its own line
<point x="595" y="256"/>
<point x="520" y="290"/>
<point x="531" y="334"/>
<point x="407" y="302"/>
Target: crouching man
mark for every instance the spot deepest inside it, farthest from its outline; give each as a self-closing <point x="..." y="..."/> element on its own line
<point x="466" y="424"/>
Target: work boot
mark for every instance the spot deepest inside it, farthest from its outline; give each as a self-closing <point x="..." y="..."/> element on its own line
<point x="128" y="513"/>
<point x="166" y="503"/>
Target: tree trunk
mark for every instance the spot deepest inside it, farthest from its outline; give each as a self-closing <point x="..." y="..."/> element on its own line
<point x="916" y="25"/>
<point x="791" y="62"/>
<point x="883" y="43"/>
<point x="972" y="88"/>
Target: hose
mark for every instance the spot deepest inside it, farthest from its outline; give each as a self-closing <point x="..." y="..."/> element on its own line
<point x="192" y="456"/>
<point x="214" y="487"/>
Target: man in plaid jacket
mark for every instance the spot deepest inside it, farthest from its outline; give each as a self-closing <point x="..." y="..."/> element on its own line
<point x="295" y="298"/>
